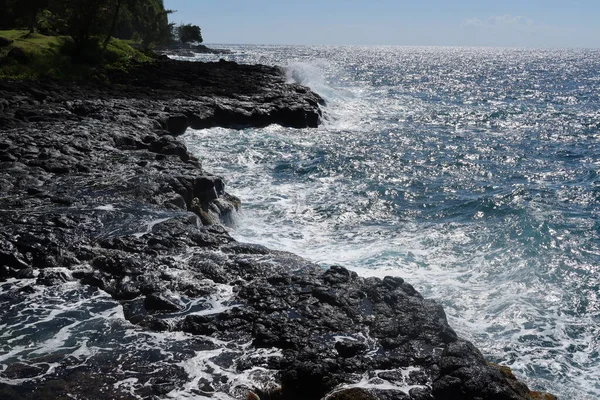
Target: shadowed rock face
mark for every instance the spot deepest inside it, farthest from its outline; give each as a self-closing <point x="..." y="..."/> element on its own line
<point x="188" y="50"/>
<point x="96" y="189"/>
<point x="173" y="94"/>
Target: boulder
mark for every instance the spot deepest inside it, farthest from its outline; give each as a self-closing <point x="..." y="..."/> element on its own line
<point x="5" y="41"/>
<point x="177" y="124"/>
<point x="19" y="55"/>
<point x="162" y="302"/>
<point x="168" y="145"/>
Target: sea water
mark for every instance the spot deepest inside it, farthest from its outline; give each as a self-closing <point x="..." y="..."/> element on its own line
<point x="470" y="172"/>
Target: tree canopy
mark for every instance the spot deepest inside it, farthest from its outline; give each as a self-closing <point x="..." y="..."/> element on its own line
<point x="144" y="20"/>
<point x="189" y="33"/>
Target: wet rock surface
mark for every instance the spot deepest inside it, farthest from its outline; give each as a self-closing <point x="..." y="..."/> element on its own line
<point x="96" y="190"/>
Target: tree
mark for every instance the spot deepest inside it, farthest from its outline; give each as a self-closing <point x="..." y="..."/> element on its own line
<point x="19" y="13"/>
<point x="28" y="11"/>
<point x="173" y="32"/>
<point x="7" y="16"/>
<point x="91" y="23"/>
<point x="113" y="24"/>
<point x="35" y="6"/>
<point x="82" y="19"/>
<point x="144" y="19"/>
<point x="189" y="33"/>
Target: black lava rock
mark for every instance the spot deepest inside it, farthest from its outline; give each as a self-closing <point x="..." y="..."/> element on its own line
<point x="177" y="124"/>
<point x="93" y="190"/>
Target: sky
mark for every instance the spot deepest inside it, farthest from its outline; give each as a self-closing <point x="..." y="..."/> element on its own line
<point x="498" y="23"/>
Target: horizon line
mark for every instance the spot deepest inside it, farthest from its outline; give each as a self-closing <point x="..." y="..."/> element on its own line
<point x="409" y="45"/>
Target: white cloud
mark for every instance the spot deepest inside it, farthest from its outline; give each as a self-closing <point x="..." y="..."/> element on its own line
<point x="509" y="20"/>
<point x="505" y="30"/>
<point x="473" y="22"/>
<point x="499" y="21"/>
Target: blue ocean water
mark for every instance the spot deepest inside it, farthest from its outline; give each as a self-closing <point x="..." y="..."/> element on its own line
<point x="470" y="172"/>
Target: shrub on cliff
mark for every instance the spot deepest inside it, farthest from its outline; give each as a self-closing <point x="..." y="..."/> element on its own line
<point x="189" y="33"/>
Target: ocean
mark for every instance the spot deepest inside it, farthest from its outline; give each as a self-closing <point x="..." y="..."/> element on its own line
<point x="470" y="172"/>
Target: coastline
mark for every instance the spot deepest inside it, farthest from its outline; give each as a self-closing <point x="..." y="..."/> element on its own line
<point x="85" y="156"/>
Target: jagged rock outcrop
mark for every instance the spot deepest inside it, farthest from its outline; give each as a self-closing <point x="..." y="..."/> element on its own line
<point x="190" y="50"/>
<point x="97" y="189"/>
<point x="208" y="94"/>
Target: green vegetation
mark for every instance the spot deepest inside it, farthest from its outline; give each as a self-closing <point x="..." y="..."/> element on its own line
<point x="80" y="38"/>
<point x="52" y="56"/>
<point x="189" y="33"/>
<point x="31" y="42"/>
<point x="143" y="20"/>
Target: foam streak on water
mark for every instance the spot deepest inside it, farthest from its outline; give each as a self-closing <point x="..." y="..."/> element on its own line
<point x="472" y="173"/>
<point x="79" y="328"/>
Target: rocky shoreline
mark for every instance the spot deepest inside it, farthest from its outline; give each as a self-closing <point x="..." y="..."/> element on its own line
<point x="96" y="189"/>
<point x="189" y="50"/>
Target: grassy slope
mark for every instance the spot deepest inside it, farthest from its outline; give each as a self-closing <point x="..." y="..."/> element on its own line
<point x="50" y="56"/>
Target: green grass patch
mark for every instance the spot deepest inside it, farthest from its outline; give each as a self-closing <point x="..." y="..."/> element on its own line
<point x="120" y="52"/>
<point x="54" y="57"/>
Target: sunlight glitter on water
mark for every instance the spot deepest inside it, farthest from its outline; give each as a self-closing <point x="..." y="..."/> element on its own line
<point x="472" y="173"/>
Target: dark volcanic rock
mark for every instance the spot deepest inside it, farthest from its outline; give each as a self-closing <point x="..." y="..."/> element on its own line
<point x="189" y="50"/>
<point x="5" y="41"/>
<point x="162" y="302"/>
<point x="19" y="55"/>
<point x="207" y="94"/>
<point x="19" y="371"/>
<point x="96" y="188"/>
<point x="177" y="124"/>
<point x="168" y="145"/>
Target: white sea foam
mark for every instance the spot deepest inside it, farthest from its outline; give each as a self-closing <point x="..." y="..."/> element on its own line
<point x="149" y="225"/>
<point x="107" y="207"/>
<point x="441" y="166"/>
<point x="371" y="380"/>
<point x="204" y="367"/>
<point x="467" y="187"/>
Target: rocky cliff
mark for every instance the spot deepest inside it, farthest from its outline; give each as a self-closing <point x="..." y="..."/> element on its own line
<point x="95" y="188"/>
